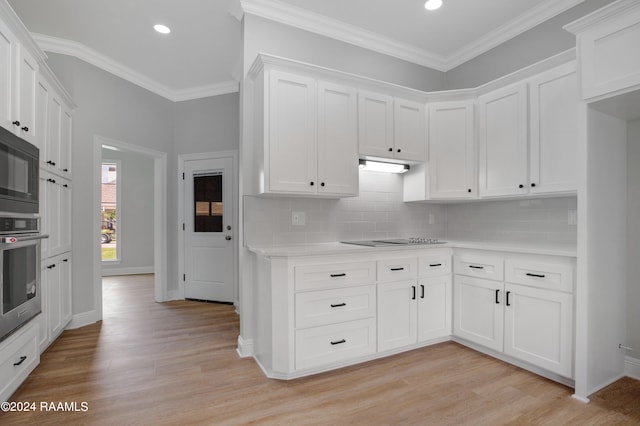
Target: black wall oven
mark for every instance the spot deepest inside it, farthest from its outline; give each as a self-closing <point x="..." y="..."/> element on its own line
<point x="19" y="271"/>
<point x="19" y="168"/>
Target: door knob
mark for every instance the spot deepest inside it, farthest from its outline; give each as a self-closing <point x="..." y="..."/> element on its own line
<point x="227" y="237"/>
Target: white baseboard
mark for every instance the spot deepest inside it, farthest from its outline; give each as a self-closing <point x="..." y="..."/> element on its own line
<point x="109" y="272"/>
<point x="80" y="320"/>
<point x="632" y="367"/>
<point x="174" y="295"/>
<point x="245" y="347"/>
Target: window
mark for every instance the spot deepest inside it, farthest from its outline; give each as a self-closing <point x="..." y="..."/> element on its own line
<point x="207" y="196"/>
<point x="109" y="211"/>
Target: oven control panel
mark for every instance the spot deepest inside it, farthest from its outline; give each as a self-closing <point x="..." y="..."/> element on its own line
<point x="18" y="225"/>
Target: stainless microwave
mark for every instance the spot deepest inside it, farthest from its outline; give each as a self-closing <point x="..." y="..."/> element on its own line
<point x="19" y="165"/>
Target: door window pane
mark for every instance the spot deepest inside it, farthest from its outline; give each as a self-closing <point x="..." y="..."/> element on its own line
<point x="207" y="196"/>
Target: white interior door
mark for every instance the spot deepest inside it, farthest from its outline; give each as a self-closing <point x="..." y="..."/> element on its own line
<point x="208" y="230"/>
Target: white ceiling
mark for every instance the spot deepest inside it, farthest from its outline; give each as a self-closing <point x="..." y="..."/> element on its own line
<point x="200" y="55"/>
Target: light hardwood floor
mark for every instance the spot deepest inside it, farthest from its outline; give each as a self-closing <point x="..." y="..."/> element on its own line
<point x="175" y="363"/>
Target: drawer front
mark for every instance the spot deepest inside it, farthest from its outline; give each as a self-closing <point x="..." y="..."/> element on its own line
<point x="325" y="307"/>
<point x="334" y="343"/>
<point x="485" y="267"/>
<point x="542" y="275"/>
<point x="397" y="269"/>
<point x="317" y="277"/>
<point x="17" y="359"/>
<point x="430" y="266"/>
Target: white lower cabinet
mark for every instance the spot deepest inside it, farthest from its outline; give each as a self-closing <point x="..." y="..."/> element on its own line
<point x="56" y="300"/>
<point x="397" y="314"/>
<point x="434" y="307"/>
<point x="19" y="355"/>
<point x="538" y="327"/>
<point x="527" y="322"/>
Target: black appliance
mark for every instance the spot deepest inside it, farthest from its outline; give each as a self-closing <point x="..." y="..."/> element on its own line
<point x="19" y="168"/>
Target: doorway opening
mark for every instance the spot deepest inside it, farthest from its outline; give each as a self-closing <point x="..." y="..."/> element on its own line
<point x="109" y="206"/>
<point x="154" y="198"/>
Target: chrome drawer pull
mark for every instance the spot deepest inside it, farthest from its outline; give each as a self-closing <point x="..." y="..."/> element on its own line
<point x="535" y="275"/>
<point x="338" y="342"/>
<point x="338" y="275"/>
<point x="338" y="305"/>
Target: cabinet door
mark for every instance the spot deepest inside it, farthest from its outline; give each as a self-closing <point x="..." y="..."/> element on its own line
<point x="54" y="124"/>
<point x="65" y="288"/>
<point x="51" y="272"/>
<point x="42" y="117"/>
<point x="65" y="142"/>
<point x="503" y="142"/>
<point x="434" y="308"/>
<point x="452" y="171"/>
<point x="375" y="124"/>
<point x="7" y="66"/>
<point x="291" y="161"/>
<point x="478" y="311"/>
<point x="410" y="130"/>
<point x="65" y="216"/>
<point x="53" y="193"/>
<point x="554" y="130"/>
<point x="28" y="75"/>
<point x="337" y="139"/>
<point x="397" y="314"/>
<point x="539" y="328"/>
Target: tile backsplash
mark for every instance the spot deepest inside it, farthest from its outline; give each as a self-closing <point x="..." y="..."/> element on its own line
<point x="379" y="212"/>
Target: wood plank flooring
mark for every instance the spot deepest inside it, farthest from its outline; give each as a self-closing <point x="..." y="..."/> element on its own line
<point x="175" y="364"/>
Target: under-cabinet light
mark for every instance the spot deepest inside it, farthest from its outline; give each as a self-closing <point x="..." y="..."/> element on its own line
<point x="380" y="166"/>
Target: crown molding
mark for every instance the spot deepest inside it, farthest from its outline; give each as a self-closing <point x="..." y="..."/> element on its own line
<point x="544" y="11"/>
<point x="80" y="51"/>
<point x="328" y="27"/>
<point x="603" y="14"/>
<point x="337" y="30"/>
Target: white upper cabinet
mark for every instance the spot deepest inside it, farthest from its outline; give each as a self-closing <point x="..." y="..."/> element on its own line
<point x="451" y="169"/>
<point x="306" y="135"/>
<point x="26" y="101"/>
<point x="375" y="124"/>
<point x="291" y="144"/>
<point x="607" y="42"/>
<point x="337" y="139"/>
<point x="18" y="90"/>
<point x="554" y="130"/>
<point x="8" y="45"/>
<point x="503" y="141"/>
<point x="391" y="127"/>
<point x="410" y="130"/>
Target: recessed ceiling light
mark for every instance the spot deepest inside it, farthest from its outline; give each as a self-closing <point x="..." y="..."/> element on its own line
<point x="163" y="29"/>
<point x="433" y="4"/>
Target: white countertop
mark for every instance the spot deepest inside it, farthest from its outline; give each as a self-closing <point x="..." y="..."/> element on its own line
<point x="339" y="248"/>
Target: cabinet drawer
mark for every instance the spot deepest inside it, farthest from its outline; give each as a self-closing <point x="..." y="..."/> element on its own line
<point x="397" y="269"/>
<point x="311" y="277"/>
<point x="551" y="276"/>
<point x="333" y="306"/>
<point x="429" y="266"/>
<point x="486" y="267"/>
<point x="22" y="351"/>
<point x="333" y="343"/>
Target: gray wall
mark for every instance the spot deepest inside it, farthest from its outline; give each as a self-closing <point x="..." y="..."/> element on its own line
<point x="633" y="240"/>
<point x="113" y="108"/>
<point x="540" y="42"/>
<point x="135" y="214"/>
<point x="264" y="36"/>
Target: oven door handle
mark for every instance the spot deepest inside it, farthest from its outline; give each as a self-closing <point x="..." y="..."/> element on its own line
<point x="21" y="238"/>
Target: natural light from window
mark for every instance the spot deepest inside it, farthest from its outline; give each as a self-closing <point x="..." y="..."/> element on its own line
<point x="108" y="207"/>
